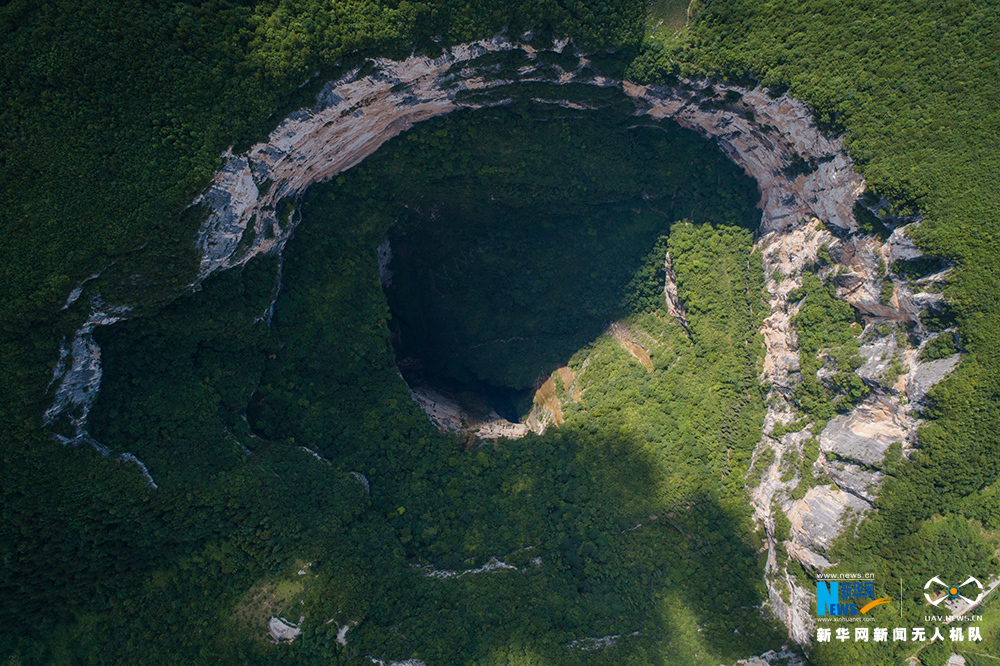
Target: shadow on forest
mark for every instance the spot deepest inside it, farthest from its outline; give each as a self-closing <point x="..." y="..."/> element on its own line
<point x="486" y="302"/>
<point x="613" y="559"/>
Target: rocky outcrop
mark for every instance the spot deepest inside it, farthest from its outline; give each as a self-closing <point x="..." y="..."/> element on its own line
<point x="674" y="306"/>
<point x="816" y="518"/>
<point x="494" y="564"/>
<point x="923" y="376"/>
<point x="143" y="470"/>
<point x="449" y="416"/>
<point x="628" y="340"/>
<point x="353" y="116"/>
<point x="852" y="446"/>
<point x="767" y="137"/>
<point x="78" y="376"/>
<point x="900" y="247"/>
<point x="866" y="432"/>
<point x="283" y="631"/>
<point x="384" y="253"/>
<point x="878" y="355"/>
<point x="250" y="207"/>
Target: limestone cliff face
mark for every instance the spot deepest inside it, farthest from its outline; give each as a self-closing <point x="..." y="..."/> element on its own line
<point x="352" y="118"/>
<point x="804" y="177"/>
<point x="844" y="480"/>
<point x="78" y="374"/>
<point x="800" y="172"/>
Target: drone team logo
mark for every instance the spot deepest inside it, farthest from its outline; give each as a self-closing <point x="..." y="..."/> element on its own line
<point x="952" y="592"/>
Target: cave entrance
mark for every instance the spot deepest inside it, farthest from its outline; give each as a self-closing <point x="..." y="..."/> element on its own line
<point x="488" y="298"/>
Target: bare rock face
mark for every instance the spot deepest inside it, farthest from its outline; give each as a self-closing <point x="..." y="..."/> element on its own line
<point x="674" y="306"/>
<point x="852" y="446"/>
<point x="866" y="433"/>
<point x="856" y="479"/>
<point x="806" y="556"/>
<point x="816" y="518"/>
<point x="448" y="415"/>
<point x="785" y="255"/>
<point x="878" y="355"/>
<point x="766" y="137"/>
<point x="857" y="278"/>
<point x="925" y="375"/>
<point x="282" y="630"/>
<point x="900" y="247"/>
<point x="78" y="374"/>
<point x="351" y="119"/>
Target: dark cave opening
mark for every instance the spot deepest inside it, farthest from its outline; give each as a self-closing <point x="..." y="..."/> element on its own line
<point x="517" y="238"/>
<point x="487" y="301"/>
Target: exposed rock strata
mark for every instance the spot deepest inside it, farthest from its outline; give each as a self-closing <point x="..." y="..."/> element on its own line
<point x="813" y="516"/>
<point x="865" y="434"/>
<point x="353" y="116"/>
<point x="900" y="247"/>
<point x="78" y="375"/>
<point x="923" y="376"/>
<point x="853" y="445"/>
<point x="449" y="416"/>
<point x="765" y="137"/>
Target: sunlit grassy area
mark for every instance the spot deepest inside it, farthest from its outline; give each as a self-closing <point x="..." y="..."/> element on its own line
<point x="666" y="18"/>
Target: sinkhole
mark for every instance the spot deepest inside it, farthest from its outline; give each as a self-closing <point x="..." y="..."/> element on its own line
<point x="483" y="255"/>
<point x="515" y="236"/>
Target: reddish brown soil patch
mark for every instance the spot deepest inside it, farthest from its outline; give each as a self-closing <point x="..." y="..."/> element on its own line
<point x="637" y="351"/>
<point x="548" y="397"/>
<point x="624" y="335"/>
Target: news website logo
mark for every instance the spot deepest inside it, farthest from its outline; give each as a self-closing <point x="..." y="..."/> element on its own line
<point x="846" y="598"/>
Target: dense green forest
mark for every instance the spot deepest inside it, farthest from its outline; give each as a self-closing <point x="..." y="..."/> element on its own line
<point x="113" y="118"/>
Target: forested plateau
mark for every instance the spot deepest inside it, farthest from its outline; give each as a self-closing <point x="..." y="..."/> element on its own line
<point x="460" y="333"/>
